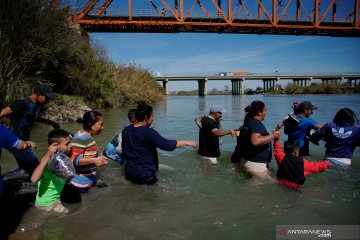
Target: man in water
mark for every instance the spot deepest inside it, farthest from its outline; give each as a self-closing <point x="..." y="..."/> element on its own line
<point x="23" y="114"/>
<point x="209" y="133"/>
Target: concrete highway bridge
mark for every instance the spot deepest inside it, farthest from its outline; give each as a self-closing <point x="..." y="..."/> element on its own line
<point x="270" y="81"/>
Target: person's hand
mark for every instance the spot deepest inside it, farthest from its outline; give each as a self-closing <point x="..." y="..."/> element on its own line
<point x="25" y="144"/>
<point x="279" y="126"/>
<point x="193" y="144"/>
<point x="101" y="161"/>
<point x="235" y="132"/>
<point x="198" y="121"/>
<point x="276" y="134"/>
<point x="52" y="149"/>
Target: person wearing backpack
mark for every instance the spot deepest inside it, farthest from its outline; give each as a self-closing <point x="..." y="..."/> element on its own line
<point x="253" y="149"/>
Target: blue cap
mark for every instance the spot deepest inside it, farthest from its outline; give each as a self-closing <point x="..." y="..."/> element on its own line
<point x="217" y="109"/>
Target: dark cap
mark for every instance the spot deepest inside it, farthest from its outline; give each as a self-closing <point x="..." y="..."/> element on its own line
<point x="307" y="105"/>
<point x="45" y="89"/>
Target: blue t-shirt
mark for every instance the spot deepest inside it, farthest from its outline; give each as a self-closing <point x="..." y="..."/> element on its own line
<point x="139" y="150"/>
<point x="341" y="140"/>
<point x="298" y="132"/>
<point x="260" y="154"/>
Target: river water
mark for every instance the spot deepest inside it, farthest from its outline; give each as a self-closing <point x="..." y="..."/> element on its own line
<point x="195" y="199"/>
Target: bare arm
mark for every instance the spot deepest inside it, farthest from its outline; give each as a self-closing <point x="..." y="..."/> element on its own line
<point x="5" y="112"/>
<point x="98" y="161"/>
<point x="258" y="140"/>
<point x="221" y="132"/>
<point x="38" y="172"/>
<point x="182" y="143"/>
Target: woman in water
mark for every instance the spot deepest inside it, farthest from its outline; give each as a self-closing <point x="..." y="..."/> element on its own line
<point x="85" y="151"/>
<point x="341" y="137"/>
<point x="253" y="149"/>
<point x="140" y="143"/>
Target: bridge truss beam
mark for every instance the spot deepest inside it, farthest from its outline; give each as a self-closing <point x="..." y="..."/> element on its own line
<point x="291" y="17"/>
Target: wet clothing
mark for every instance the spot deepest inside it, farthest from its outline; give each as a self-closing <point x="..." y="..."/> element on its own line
<point x="113" y="149"/>
<point x="49" y="189"/>
<point x="298" y="131"/>
<point x="139" y="145"/>
<point x="23" y="117"/>
<point x="245" y="149"/>
<point x="341" y="140"/>
<point x="56" y="207"/>
<point x="8" y="141"/>
<point x="26" y="159"/>
<point x="293" y="170"/>
<point x="208" y="142"/>
<point x="83" y="145"/>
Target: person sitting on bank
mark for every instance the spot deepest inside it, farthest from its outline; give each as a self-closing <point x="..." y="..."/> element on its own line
<point x="23" y="114"/>
<point x="50" y="182"/>
<point x="209" y="133"/>
<point x="293" y="169"/>
<point x="342" y="136"/>
<point x="113" y="149"/>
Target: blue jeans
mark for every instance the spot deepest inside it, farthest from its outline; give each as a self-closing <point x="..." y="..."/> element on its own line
<point x="26" y="159"/>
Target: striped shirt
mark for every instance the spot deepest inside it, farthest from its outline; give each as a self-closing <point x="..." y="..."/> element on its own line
<point x="83" y="146"/>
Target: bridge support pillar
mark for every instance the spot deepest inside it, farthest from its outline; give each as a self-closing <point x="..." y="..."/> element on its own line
<point x="242" y="90"/>
<point x="165" y="86"/>
<point x="202" y="87"/>
<point x="264" y="86"/>
<point x="237" y="87"/>
<point x="269" y="84"/>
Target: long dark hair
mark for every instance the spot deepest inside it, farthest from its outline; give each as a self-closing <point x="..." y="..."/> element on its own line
<point x="254" y="109"/>
<point x="345" y="115"/>
<point x="142" y="111"/>
<point x="90" y="118"/>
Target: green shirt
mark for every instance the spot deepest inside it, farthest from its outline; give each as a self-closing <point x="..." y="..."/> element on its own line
<point x="49" y="189"/>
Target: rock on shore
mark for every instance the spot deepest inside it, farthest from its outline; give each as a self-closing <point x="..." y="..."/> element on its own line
<point x="65" y="111"/>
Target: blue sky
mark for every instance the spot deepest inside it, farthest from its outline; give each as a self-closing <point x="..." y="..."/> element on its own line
<point x="204" y="53"/>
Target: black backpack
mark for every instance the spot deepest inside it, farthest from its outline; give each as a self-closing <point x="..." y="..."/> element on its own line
<point x="243" y="146"/>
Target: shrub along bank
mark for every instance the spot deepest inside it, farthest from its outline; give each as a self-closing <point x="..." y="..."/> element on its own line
<point x="38" y="44"/>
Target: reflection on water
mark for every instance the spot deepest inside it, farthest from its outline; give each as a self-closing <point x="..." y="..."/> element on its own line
<point x="194" y="199"/>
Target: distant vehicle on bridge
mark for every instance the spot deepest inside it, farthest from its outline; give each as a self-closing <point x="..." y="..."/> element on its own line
<point x="222" y="74"/>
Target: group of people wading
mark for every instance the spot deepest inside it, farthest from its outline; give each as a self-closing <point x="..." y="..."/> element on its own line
<point x="254" y="149"/>
<point x="70" y="164"/>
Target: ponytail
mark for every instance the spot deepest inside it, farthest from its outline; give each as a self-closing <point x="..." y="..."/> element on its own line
<point x="254" y="109"/>
<point x="142" y="111"/>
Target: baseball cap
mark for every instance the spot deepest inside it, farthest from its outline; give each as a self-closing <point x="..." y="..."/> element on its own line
<point x="217" y="108"/>
<point x="307" y="105"/>
<point x="45" y="89"/>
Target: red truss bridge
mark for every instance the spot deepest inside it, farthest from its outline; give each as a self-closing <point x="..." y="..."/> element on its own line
<point x="291" y="17"/>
